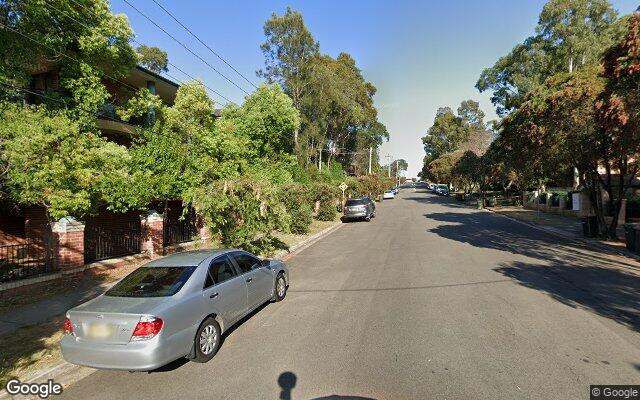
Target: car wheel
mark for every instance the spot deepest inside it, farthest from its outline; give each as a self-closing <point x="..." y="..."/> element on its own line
<point x="207" y="340"/>
<point x="367" y="218"/>
<point x="280" y="290"/>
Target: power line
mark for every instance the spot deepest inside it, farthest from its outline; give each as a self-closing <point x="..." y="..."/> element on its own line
<point x="203" y="43"/>
<point x="185" y="47"/>
<point x="134" y="40"/>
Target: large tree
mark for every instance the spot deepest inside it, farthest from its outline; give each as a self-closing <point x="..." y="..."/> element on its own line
<point x="570" y="34"/>
<point x="288" y="50"/>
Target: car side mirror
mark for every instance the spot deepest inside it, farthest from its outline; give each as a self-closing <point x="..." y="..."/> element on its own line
<point x="265" y="263"/>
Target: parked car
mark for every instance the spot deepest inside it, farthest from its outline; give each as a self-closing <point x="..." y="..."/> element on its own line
<point x="360" y="208"/>
<point x="395" y="190"/>
<point x="177" y="306"/>
<point x="388" y="194"/>
<point x="442" y="190"/>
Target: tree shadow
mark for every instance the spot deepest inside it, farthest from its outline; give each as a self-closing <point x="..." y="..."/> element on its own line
<point x="569" y="272"/>
<point x="287" y="381"/>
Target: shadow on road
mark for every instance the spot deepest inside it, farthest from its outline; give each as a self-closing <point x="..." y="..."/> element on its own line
<point x="572" y="274"/>
<point x="287" y="381"/>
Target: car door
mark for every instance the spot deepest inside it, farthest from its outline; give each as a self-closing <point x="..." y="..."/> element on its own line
<point x="258" y="278"/>
<point x="225" y="290"/>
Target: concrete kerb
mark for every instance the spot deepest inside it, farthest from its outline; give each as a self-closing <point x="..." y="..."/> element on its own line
<point x="67" y="374"/>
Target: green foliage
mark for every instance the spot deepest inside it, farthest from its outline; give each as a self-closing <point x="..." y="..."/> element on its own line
<point x="297" y="201"/>
<point x="139" y="105"/>
<point x="570" y="34"/>
<point x="153" y="58"/>
<point x="327" y="195"/>
<point x="38" y="32"/>
<point x="269" y="119"/>
<point x="51" y="163"/>
<point x="334" y="100"/>
<point x="242" y="213"/>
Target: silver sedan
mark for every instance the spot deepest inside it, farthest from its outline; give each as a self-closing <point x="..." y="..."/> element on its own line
<point x="177" y="306"/>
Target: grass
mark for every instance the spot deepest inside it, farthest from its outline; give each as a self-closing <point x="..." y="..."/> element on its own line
<point x="291" y="239"/>
<point x="29" y="350"/>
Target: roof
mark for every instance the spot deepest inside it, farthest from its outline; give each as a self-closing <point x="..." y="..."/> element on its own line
<point x="157" y="76"/>
<point x="193" y="257"/>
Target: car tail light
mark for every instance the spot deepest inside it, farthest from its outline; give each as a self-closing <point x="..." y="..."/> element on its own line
<point x="68" y="326"/>
<point x="147" y="328"/>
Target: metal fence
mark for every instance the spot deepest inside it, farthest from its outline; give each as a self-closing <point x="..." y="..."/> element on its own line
<point x="179" y="230"/>
<point x="102" y="242"/>
<point x="24" y="260"/>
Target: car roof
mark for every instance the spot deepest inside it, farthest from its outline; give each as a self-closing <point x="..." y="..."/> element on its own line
<point x="187" y="258"/>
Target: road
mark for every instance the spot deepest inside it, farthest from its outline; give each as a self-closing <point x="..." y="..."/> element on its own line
<point x="430" y="300"/>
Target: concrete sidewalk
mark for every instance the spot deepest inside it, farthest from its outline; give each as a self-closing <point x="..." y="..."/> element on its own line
<point x="562" y="226"/>
<point x="42" y="311"/>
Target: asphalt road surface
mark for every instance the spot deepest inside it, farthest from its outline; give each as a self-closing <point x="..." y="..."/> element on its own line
<point x="429" y="300"/>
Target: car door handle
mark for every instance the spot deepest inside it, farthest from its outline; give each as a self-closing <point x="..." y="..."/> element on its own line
<point x="249" y="280"/>
<point x="213" y="296"/>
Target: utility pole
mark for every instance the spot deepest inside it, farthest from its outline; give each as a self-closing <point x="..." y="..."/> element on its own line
<point x="388" y="165"/>
<point x="370" y="151"/>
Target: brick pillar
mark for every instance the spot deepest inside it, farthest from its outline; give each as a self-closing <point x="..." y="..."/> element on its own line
<point x="68" y="243"/>
<point x="152" y="233"/>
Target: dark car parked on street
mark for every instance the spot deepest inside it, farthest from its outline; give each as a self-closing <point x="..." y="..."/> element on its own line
<point x="360" y="208"/>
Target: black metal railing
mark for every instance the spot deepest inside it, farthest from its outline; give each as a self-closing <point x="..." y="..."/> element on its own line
<point x="101" y="242"/>
<point x="24" y="260"/>
<point x="180" y="231"/>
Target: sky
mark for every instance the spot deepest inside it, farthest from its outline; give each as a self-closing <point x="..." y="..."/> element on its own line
<point x="420" y="54"/>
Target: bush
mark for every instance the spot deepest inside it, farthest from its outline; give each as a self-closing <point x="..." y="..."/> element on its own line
<point x="297" y="201"/>
<point x="327" y="195"/>
<point x="243" y="212"/>
<point x="300" y="219"/>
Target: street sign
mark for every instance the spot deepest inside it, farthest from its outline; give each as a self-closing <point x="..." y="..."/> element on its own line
<point x="343" y="186"/>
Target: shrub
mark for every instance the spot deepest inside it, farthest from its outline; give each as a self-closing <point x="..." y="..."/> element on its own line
<point x="243" y="212"/>
<point x="300" y="219"/>
<point x="327" y="195"/>
<point x="297" y="202"/>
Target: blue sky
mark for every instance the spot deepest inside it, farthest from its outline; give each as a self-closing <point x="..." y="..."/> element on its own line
<point x="421" y="55"/>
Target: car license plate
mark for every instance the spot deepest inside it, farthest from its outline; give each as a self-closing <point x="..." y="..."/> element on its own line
<point x="100" y="331"/>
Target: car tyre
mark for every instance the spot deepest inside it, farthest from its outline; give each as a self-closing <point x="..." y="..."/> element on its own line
<point x="207" y="340"/>
<point x="367" y="218"/>
<point x="280" y="289"/>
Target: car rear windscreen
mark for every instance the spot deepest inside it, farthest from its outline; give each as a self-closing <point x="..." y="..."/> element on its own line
<point x="152" y="282"/>
<point x="355" y="202"/>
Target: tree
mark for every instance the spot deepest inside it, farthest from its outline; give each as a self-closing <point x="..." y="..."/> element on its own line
<point x="50" y="163"/>
<point x="269" y="120"/>
<point x="334" y="100"/>
<point x="37" y="37"/>
<point x="616" y="113"/>
<point x="449" y="130"/>
<point x="570" y="34"/>
<point x="471" y="114"/>
<point x="153" y="58"/>
<point x="398" y="166"/>
<point x="288" y="50"/>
